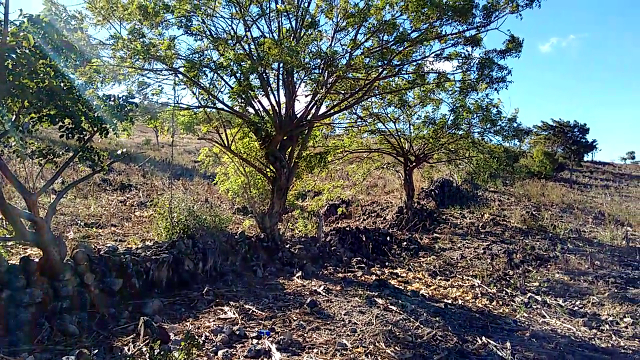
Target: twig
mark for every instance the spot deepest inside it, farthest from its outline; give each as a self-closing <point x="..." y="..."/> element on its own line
<point x="254" y="309"/>
<point x="554" y="321"/>
<point x="477" y="282"/>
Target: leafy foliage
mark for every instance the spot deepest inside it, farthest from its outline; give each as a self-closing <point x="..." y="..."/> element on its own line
<point x="283" y="69"/>
<point x="567" y="140"/>
<point x="185" y="217"/>
<point x="629" y="156"/>
<point x="44" y="93"/>
<point x="430" y="126"/>
<point x="189" y="349"/>
<point x="493" y="164"/>
<point x="540" y="163"/>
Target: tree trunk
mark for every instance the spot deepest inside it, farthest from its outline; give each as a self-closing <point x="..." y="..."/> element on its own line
<point x="157" y="134"/>
<point x="54" y="251"/>
<point x="409" y="189"/>
<point x="280" y="185"/>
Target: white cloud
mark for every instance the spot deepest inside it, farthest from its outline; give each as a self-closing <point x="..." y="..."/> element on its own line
<point x="554" y="41"/>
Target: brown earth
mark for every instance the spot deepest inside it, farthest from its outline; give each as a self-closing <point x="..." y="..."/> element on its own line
<point x="537" y="270"/>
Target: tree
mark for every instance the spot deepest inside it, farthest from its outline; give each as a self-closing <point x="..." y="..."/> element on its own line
<point x="41" y="96"/>
<point x="156" y="117"/>
<point x="567" y="140"/>
<point x="424" y="127"/>
<point x="283" y="68"/>
<point x="629" y="156"/>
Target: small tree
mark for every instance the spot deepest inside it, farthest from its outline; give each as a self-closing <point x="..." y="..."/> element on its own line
<point x="156" y="117"/>
<point x="567" y="140"/>
<point x="282" y="69"/>
<point x="420" y="127"/>
<point x="41" y="98"/>
<point x="629" y="156"/>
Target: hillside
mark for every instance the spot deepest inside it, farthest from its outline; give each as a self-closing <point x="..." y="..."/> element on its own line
<point x="537" y="270"/>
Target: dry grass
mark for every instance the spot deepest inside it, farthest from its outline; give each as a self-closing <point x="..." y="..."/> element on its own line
<point x="541" y="270"/>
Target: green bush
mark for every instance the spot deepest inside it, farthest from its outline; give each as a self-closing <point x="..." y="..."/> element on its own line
<point x="188" y="350"/>
<point x="492" y="165"/>
<point x="540" y="163"/>
<point x="186" y="217"/>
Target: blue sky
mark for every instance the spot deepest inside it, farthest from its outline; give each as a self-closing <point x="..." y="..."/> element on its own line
<point x="580" y="62"/>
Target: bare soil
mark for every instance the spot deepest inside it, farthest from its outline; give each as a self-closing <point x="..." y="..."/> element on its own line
<point x="537" y="270"/>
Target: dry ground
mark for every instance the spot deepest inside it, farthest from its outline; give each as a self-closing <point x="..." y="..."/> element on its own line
<point x="539" y="270"/>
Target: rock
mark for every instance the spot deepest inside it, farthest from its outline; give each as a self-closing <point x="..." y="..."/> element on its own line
<point x="67" y="329"/>
<point x="227" y="330"/>
<point x="80" y="257"/>
<point x="254" y="351"/>
<point x="285" y="340"/>
<point x="163" y="335"/>
<point x="309" y="271"/>
<point x="217" y="330"/>
<point x="89" y="278"/>
<point x="353" y="330"/>
<point x="34" y="296"/>
<point x="83" y="269"/>
<point x="28" y="265"/>
<point x="152" y="307"/>
<point x="312" y="304"/>
<point x="148" y="328"/>
<point x="82" y="354"/>
<point x="225" y="354"/>
<point x="4" y="264"/>
<point x="114" y="284"/>
<point x="240" y="333"/>
<point x="300" y="325"/>
<point x="223" y="339"/>
<point x="342" y="344"/>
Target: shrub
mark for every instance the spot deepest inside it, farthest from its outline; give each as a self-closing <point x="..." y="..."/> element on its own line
<point x="540" y="163"/>
<point x="186" y="217"/>
<point x="146" y="142"/>
<point x="494" y="165"/>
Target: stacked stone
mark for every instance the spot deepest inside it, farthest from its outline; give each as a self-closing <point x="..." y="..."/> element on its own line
<point x="33" y="306"/>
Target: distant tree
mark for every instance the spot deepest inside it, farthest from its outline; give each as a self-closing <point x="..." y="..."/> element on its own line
<point x="156" y="117"/>
<point x="420" y="127"/>
<point x="539" y="162"/>
<point x="567" y="140"/>
<point x="282" y="69"/>
<point x="39" y="95"/>
<point x="629" y="156"/>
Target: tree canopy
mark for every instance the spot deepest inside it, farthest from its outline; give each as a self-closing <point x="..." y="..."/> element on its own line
<point x="43" y="94"/>
<point x="568" y="140"/>
<point x="283" y="68"/>
<point x="420" y="127"/>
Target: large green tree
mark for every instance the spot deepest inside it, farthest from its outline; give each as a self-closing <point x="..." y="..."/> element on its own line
<point x="283" y="68"/>
<point x="44" y="98"/>
<point x="568" y="140"/>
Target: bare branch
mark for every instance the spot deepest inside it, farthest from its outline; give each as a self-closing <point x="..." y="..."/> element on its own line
<point x="14" y="181"/>
<point x="65" y="165"/>
<point x="51" y="210"/>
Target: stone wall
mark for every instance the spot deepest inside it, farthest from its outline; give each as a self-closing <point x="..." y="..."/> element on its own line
<point x="95" y="284"/>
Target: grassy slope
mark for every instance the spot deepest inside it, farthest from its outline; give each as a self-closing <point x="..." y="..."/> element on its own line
<point x="539" y="270"/>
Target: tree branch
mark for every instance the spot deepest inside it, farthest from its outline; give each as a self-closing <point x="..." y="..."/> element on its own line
<point x="51" y="210"/>
<point x="14" y="181"/>
<point x="65" y="165"/>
